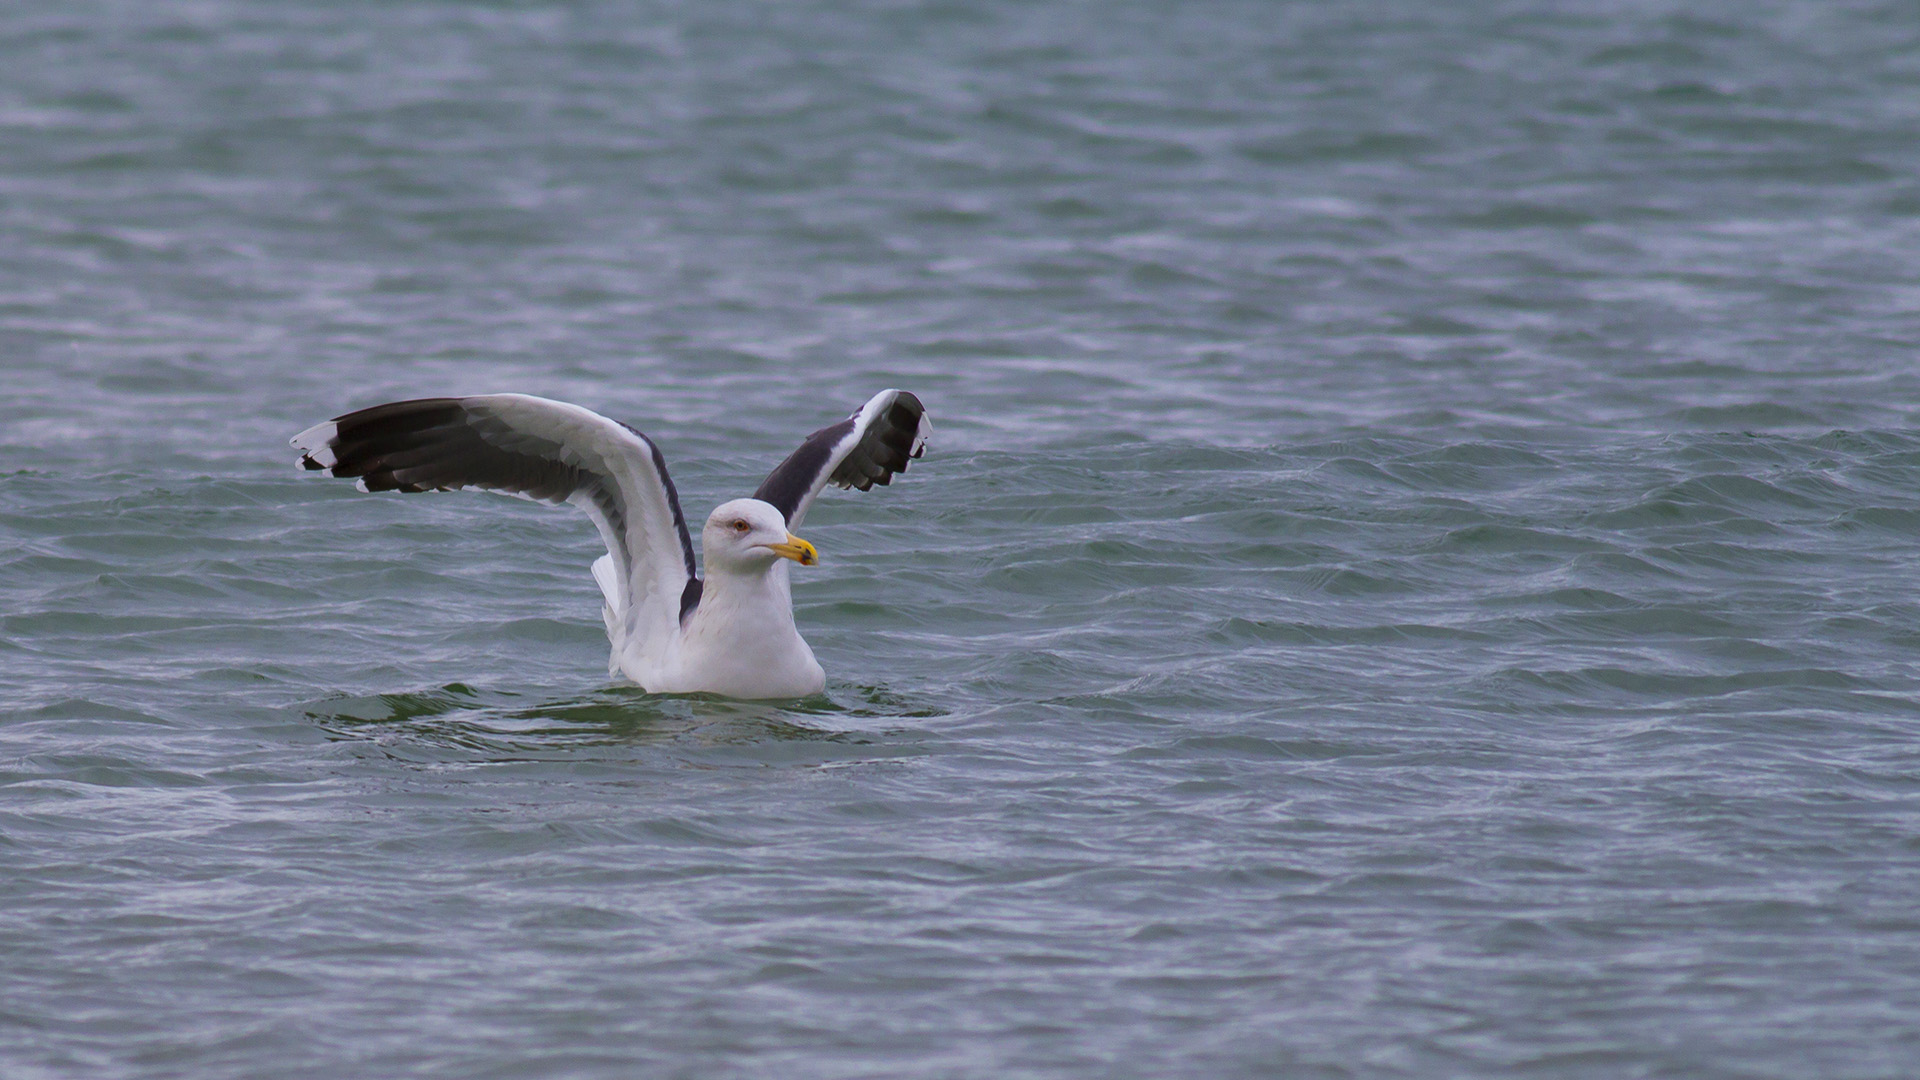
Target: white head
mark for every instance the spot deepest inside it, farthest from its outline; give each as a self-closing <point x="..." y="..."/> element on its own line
<point x="747" y="535"/>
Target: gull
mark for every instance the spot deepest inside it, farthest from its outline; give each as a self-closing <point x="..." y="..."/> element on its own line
<point x="672" y="631"/>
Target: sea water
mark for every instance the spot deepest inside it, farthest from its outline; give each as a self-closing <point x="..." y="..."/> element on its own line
<point x="1414" y="575"/>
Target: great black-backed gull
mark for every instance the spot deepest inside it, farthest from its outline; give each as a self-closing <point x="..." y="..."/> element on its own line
<point x="672" y="632"/>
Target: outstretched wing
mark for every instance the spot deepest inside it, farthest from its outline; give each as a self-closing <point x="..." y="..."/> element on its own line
<point x="537" y="449"/>
<point x="865" y="449"/>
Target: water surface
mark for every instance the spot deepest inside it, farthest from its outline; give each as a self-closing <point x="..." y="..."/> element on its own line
<point x="1413" y="578"/>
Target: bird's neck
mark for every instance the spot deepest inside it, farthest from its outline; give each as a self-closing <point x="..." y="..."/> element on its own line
<point x="763" y="591"/>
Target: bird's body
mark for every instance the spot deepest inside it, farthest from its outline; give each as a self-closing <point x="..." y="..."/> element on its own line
<point x="672" y="631"/>
<point x="740" y="641"/>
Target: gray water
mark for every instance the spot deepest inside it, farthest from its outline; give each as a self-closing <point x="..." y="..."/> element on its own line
<point x="1414" y="575"/>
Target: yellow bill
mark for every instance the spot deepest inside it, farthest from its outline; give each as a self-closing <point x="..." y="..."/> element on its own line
<point x="796" y="549"/>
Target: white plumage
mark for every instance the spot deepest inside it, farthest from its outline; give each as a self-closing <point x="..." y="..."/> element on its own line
<point x="672" y="631"/>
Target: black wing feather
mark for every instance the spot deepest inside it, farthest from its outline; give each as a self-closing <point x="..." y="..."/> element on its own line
<point x="445" y="444"/>
<point x="795" y="478"/>
<point x="847" y="455"/>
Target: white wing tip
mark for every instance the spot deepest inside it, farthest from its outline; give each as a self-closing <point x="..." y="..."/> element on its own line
<point x="316" y="445"/>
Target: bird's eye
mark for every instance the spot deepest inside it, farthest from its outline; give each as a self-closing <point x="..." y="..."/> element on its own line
<point x="740" y="526"/>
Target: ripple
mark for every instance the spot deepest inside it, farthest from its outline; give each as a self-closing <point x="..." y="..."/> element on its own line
<point x="1412" y="578"/>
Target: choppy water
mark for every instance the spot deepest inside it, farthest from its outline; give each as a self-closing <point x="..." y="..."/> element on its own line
<point x="1415" y="576"/>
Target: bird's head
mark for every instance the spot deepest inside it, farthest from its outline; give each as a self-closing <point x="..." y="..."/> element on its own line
<point x="748" y="535"/>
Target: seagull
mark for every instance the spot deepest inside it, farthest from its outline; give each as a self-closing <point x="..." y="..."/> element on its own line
<point x="672" y="632"/>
